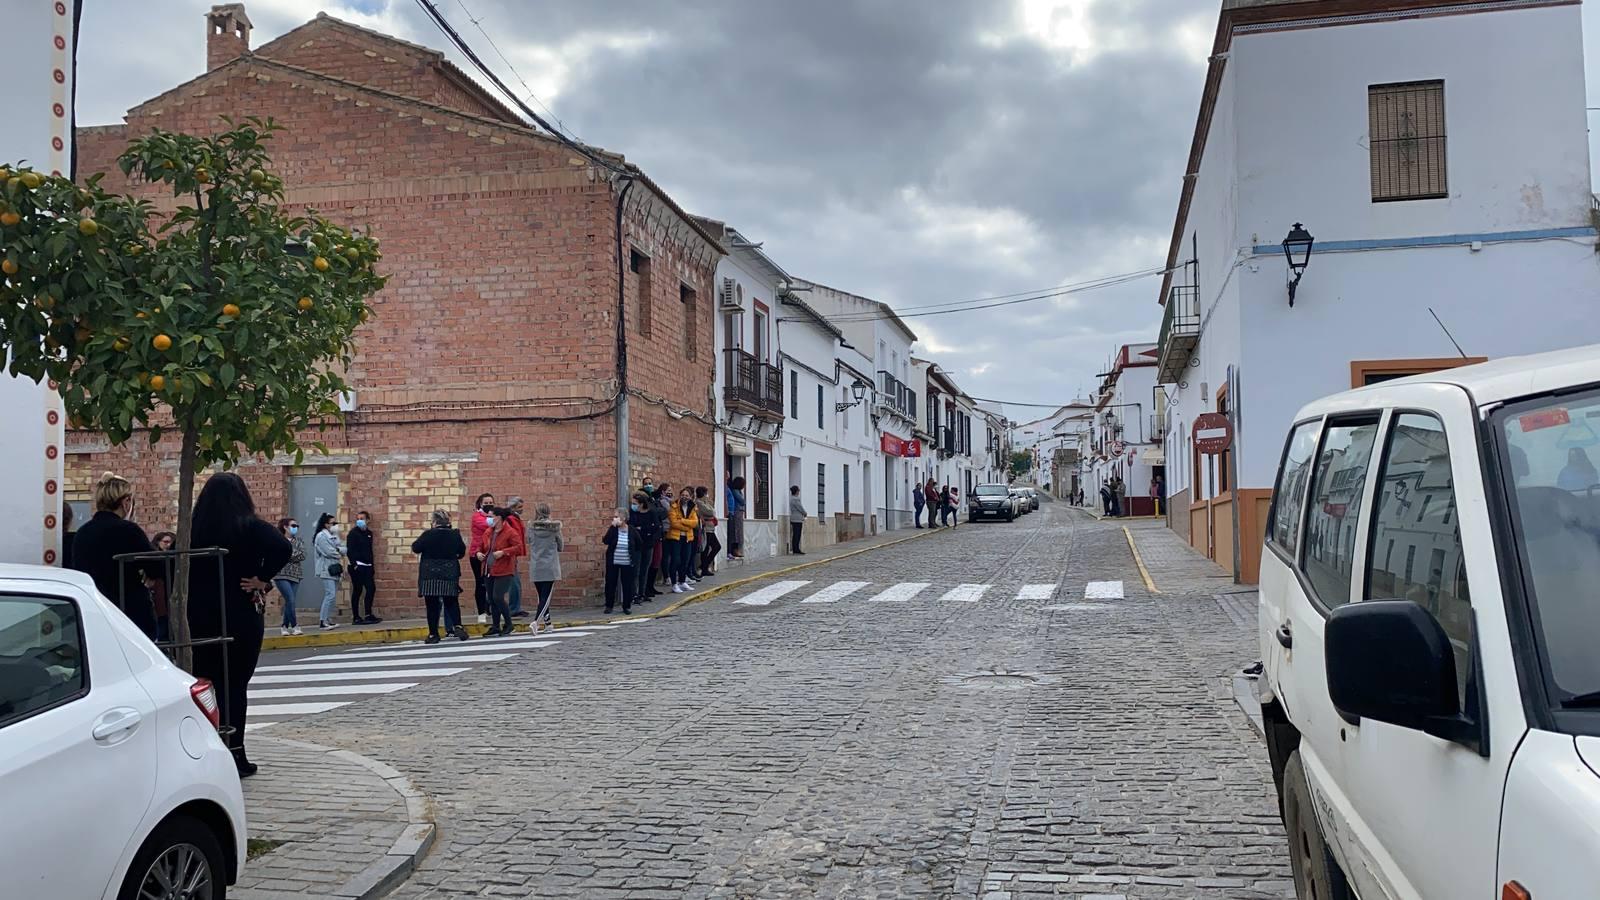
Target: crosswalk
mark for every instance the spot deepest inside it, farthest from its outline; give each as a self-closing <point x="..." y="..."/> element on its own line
<point x="326" y="679"/>
<point x="920" y="591"/>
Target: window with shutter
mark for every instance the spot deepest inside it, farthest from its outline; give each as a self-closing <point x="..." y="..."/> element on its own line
<point x="1406" y="134"/>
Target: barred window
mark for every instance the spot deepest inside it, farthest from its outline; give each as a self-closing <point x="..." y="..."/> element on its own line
<point x="1406" y="130"/>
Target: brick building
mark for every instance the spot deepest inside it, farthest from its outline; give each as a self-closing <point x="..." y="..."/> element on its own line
<point x="491" y="360"/>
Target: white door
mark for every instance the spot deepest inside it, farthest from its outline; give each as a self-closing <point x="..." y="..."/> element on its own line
<point x="77" y="744"/>
<point x="1426" y="810"/>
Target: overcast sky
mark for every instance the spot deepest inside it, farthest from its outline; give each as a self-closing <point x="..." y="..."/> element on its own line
<point x="909" y="151"/>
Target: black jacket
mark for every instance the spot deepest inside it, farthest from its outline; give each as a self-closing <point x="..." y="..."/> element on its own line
<point x="441" y="550"/>
<point x="645" y="525"/>
<point x="259" y="551"/>
<point x="103" y="537"/>
<point x="358" y="546"/>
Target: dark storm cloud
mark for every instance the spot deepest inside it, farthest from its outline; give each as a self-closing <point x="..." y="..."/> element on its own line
<point x="912" y="151"/>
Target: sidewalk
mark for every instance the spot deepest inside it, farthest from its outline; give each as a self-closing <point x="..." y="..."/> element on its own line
<point x="731" y="574"/>
<point x="338" y="824"/>
<point x="1169" y="561"/>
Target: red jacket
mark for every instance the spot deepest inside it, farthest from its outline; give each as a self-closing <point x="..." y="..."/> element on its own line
<point x="511" y="543"/>
<point x="480" y="531"/>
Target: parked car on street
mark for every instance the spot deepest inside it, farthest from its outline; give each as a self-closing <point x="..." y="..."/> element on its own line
<point x="1021" y="500"/>
<point x="114" y="781"/>
<point x="1428" y="622"/>
<point x="1032" y="497"/>
<point x="991" y="501"/>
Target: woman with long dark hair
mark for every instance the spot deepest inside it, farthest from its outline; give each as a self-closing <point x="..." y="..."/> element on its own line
<point x="162" y="542"/>
<point x="439" y="575"/>
<point x="326" y="552"/>
<point x="225" y="516"/>
<point x="288" y="580"/>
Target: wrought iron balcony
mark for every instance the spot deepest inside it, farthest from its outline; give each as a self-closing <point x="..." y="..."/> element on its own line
<point x="752" y="386"/>
<point x="1180" y="332"/>
<point x="895" y="396"/>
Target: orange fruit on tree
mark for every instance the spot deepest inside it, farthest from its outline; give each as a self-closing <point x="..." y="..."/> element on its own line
<point x="44" y="301"/>
<point x="141" y="314"/>
<point x="120" y="345"/>
<point x="157" y="383"/>
<point x="8" y="266"/>
<point x="88" y="227"/>
<point x="161" y="342"/>
<point x="229" y="309"/>
<point x="305" y="303"/>
<point x="31" y="180"/>
<point x="9" y="218"/>
<point x="320" y="264"/>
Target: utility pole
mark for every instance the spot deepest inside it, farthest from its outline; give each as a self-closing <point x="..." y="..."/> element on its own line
<point x="1233" y="470"/>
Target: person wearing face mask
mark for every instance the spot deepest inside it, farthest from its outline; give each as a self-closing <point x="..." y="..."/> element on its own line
<point x="480" y="532"/>
<point x="682" y="521"/>
<point x="506" y="544"/>
<point x="287" y="581"/>
<point x="619" y="562"/>
<point x="658" y="558"/>
<point x="112" y="532"/>
<point x="162" y="541"/>
<point x="327" y="551"/>
<point x="363" y="576"/>
<point x="643" y="536"/>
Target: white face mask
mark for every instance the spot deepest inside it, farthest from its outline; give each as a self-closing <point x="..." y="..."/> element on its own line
<point x="488" y="520"/>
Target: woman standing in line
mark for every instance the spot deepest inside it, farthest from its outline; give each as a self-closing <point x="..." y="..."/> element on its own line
<point x="736" y="509"/>
<point x="480" y="530"/>
<point x="327" y="550"/>
<point x="642" y="540"/>
<point x="619" y="563"/>
<point x="502" y="548"/>
<point x="162" y="542"/>
<point x="682" y="520"/>
<point x="226" y="516"/>
<point x="544" y="552"/>
<point x="288" y="580"/>
<point x="111" y="532"/>
<point x="439" y="575"/>
<point x="944" y="506"/>
<point x="658" y="559"/>
<point x="709" y="545"/>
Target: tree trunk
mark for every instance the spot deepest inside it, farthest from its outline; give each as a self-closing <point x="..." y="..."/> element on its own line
<point x="178" y="597"/>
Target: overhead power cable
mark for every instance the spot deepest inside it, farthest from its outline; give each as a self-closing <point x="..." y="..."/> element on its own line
<point x="913" y="312"/>
<point x="478" y="24"/>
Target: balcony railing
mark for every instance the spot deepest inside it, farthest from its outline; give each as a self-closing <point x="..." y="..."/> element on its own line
<point x="895" y="396"/>
<point x="751" y="385"/>
<point x="1180" y="332"/>
<point x="1158" y="428"/>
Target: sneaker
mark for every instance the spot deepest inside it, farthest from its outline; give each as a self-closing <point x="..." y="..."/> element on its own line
<point x="520" y="614"/>
<point x="296" y="630"/>
<point x="461" y="634"/>
<point x="431" y="639"/>
<point x="483" y="618"/>
<point x="608" y="611"/>
<point x="373" y="620"/>
<point x="286" y="631"/>
<point x="328" y="625"/>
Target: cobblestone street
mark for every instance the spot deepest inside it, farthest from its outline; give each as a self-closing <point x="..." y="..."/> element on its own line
<point x="938" y="746"/>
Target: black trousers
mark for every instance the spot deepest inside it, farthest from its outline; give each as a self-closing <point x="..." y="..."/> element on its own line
<point x="243" y="653"/>
<point x="708" y="557"/>
<point x="794" y="536"/>
<point x="363" y="580"/>
<point x="542" y="614"/>
<point x="450" y="607"/>
<point x="480" y="595"/>
<point x="619" y="579"/>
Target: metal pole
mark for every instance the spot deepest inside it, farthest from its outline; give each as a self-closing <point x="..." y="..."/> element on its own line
<point x="1233" y="470"/>
<point x="622" y="360"/>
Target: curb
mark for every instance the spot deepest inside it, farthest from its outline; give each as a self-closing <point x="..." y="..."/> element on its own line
<point x="402" y="857"/>
<point x="396" y="635"/>
<point x="1149" y="583"/>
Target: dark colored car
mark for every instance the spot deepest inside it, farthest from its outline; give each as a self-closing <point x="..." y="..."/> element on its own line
<point x="991" y="501"/>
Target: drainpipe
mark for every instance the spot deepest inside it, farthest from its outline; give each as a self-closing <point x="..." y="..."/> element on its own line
<point x="622" y="361"/>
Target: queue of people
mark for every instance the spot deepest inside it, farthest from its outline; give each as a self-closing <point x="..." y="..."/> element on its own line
<point x="942" y="503"/>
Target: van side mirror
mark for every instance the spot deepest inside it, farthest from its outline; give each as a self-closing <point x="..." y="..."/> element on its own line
<point x="1391" y="661"/>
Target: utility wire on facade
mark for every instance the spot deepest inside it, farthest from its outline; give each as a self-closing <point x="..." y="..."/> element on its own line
<point x="478" y="23"/>
<point x="912" y="312"/>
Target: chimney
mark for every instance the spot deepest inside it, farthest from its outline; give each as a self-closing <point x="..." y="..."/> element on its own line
<point x="227" y="34"/>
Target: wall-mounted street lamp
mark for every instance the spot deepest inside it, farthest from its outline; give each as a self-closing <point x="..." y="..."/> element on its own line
<point x="1297" y="250"/>
<point x="858" y="391"/>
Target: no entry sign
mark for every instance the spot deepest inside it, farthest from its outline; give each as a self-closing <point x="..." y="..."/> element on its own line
<point x="1213" y="433"/>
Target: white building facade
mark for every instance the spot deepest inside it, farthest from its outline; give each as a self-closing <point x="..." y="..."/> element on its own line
<point x="1438" y="153"/>
<point x="1125" y="433"/>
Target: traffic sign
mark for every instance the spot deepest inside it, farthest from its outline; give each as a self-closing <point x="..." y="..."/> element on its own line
<point x="1213" y="433"/>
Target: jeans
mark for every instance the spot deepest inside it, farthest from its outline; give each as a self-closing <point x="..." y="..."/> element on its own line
<point x="362" y="581"/>
<point x="675" y="560"/>
<point x="450" y="606"/>
<point x="916" y="516"/>
<point x="619" y="578"/>
<point x="515" y="603"/>
<point x="330" y="593"/>
<point x="480" y="595"/>
<point x="640" y="553"/>
<point x="500" y="590"/>
<point x="545" y="589"/>
<point x="287" y="590"/>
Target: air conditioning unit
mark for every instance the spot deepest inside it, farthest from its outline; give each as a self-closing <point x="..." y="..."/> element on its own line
<point x="731" y="297"/>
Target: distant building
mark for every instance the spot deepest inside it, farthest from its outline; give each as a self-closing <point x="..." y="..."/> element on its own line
<point x="1126" y="431"/>
<point x="1437" y="152"/>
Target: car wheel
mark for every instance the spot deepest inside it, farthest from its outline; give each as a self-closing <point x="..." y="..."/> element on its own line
<point x="181" y="860"/>
<point x="1010" y="517"/>
<point x="1317" y="875"/>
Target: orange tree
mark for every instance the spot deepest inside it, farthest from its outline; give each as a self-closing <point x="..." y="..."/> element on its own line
<point x="221" y="317"/>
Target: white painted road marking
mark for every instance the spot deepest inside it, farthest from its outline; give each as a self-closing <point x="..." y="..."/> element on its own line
<point x="463" y="647"/>
<point x="835" y="592"/>
<point x="1103" y="590"/>
<point x="257" y="726"/>
<point x="1036" y="592"/>
<point x="771" y="592"/>
<point x="900" y="593"/>
<point x="355" y="676"/>
<point x="379" y="663"/>
<point x="329" y="690"/>
<point x="293" y="709"/>
<point x="966" y="593"/>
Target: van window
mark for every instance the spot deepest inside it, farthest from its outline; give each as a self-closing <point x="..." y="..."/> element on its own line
<point x="41" y="655"/>
<point x="1288" y="495"/>
<point x="1335" y="508"/>
<point x="1415" y="537"/>
<point x="1551" y="448"/>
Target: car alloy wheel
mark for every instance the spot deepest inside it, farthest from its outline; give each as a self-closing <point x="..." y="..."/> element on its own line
<point x="180" y="872"/>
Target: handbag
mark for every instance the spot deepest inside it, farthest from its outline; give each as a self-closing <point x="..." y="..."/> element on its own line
<point x="335" y="570"/>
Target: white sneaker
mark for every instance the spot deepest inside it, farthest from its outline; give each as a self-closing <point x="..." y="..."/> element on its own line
<point x="286" y="631"/>
<point x="483" y="618"/>
<point x="328" y="625"/>
<point x="296" y="630"/>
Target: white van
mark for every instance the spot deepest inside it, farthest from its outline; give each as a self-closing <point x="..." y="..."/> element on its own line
<point x="1430" y="635"/>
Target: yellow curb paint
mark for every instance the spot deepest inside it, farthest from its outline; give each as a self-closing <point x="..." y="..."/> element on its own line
<point x="1138" y="560"/>
<point x="338" y="638"/>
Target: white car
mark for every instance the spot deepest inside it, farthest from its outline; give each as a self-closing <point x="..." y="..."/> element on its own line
<point x="113" y="780"/>
<point x="1430" y="635"/>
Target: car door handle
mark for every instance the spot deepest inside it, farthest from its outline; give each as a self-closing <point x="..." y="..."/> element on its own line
<point x="1285" y="636"/>
<point x="115" y="723"/>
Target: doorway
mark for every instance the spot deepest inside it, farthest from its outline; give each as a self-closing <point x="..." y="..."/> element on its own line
<point x="309" y="497"/>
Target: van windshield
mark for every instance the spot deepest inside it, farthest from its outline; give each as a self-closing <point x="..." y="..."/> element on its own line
<point x="1552" y="448"/>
